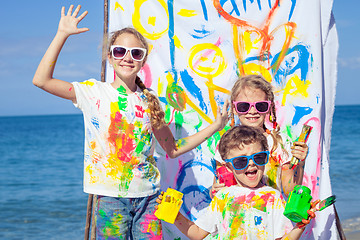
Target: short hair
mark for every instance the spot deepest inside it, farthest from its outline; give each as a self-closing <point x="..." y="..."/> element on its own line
<point x="238" y="136"/>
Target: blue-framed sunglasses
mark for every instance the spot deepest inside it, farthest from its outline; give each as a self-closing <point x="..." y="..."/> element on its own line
<point x="241" y="162"/>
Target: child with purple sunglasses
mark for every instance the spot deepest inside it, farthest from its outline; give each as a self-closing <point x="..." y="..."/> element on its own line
<point x="252" y="100"/>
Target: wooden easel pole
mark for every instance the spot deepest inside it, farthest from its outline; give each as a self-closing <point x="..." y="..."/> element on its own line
<point x="88" y="216"/>
<point x="92" y="198"/>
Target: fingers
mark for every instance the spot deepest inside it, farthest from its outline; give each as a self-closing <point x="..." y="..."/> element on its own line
<point x="62" y="11"/>
<point x="70" y="10"/>
<point x="77" y="10"/>
<point x="82" y="15"/>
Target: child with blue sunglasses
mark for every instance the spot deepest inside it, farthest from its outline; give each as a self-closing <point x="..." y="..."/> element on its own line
<point x="253" y="103"/>
<point x="249" y="209"/>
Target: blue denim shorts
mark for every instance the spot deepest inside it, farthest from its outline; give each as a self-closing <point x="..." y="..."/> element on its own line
<point x="127" y="218"/>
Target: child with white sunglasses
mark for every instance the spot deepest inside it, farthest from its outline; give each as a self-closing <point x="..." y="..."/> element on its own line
<point x="252" y="100"/>
<point x="122" y="120"/>
<point x="249" y="209"/>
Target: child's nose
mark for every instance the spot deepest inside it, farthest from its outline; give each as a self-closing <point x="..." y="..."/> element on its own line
<point x="252" y="109"/>
<point x="128" y="56"/>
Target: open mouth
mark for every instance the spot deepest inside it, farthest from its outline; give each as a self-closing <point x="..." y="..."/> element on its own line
<point x="251" y="174"/>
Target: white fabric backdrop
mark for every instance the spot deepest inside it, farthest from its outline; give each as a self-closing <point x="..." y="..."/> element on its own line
<point x="200" y="47"/>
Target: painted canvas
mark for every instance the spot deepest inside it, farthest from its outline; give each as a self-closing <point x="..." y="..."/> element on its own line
<point x="199" y="48"/>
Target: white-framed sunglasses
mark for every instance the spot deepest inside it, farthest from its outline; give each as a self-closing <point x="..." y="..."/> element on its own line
<point x="136" y="53"/>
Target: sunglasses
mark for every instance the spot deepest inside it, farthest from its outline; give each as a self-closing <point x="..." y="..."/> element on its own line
<point x="241" y="162"/>
<point x="244" y="107"/>
<point x="136" y="53"/>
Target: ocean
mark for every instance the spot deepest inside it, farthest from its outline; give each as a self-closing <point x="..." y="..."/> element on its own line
<point x="41" y="195"/>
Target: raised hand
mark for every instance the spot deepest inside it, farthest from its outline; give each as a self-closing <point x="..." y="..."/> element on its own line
<point x="222" y="117"/>
<point x="69" y="21"/>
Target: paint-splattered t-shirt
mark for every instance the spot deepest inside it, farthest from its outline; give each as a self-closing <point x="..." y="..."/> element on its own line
<point x="119" y="141"/>
<point x="278" y="157"/>
<point x="242" y="213"/>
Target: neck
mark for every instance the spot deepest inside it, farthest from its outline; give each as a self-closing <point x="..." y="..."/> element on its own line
<point x="129" y="84"/>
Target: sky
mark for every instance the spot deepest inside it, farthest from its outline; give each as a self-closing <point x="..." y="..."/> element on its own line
<point x="27" y="28"/>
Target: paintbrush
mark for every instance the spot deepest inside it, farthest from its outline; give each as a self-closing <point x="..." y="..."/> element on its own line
<point x="324" y="203"/>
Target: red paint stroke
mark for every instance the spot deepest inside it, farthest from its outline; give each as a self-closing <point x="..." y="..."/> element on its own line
<point x="120" y="133"/>
<point x="139" y="111"/>
<point x="263" y="32"/>
<point x="70" y="89"/>
<point x="98" y="104"/>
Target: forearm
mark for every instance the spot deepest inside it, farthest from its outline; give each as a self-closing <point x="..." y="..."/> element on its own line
<point x="43" y="77"/>
<point x="294" y="234"/>
<point x="188" y="228"/>
<point x="187" y="144"/>
<point x="46" y="67"/>
<point x="291" y="177"/>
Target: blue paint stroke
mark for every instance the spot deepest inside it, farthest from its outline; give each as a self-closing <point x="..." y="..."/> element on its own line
<point x="171" y="34"/>
<point x="293" y="3"/>
<point x="190" y="164"/>
<point x="193" y="89"/>
<point x="203" y="5"/>
<point x="192" y="189"/>
<point x="233" y="3"/>
<point x="291" y="63"/>
<point x="202" y="33"/>
<point x="299" y="113"/>
<point x="258" y="220"/>
<point x="95" y="122"/>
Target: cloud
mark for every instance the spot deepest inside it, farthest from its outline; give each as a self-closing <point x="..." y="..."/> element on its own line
<point x="351" y="63"/>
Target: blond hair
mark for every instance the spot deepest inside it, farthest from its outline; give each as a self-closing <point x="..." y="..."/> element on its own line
<point x="259" y="82"/>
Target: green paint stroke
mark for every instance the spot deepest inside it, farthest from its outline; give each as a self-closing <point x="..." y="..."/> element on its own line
<point x="179" y="120"/>
<point x="122" y="99"/>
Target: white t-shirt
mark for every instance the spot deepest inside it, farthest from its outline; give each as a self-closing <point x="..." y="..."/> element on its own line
<point x="119" y="141"/>
<point x="242" y="213"/>
<point x="277" y="158"/>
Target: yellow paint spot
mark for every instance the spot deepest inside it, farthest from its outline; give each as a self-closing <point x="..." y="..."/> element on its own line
<point x="249" y="43"/>
<point x="295" y="87"/>
<point x="138" y="25"/>
<point x="177" y="42"/>
<point x="253" y="68"/>
<point x="117" y="5"/>
<point x="89" y="83"/>
<point x="152" y="21"/>
<point x="187" y="13"/>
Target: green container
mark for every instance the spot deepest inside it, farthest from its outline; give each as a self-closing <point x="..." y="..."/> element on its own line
<point x="298" y="204"/>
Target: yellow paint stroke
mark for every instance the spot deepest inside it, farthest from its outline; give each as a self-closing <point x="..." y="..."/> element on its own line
<point x="177" y="42"/>
<point x="138" y="25"/>
<point x="295" y="86"/>
<point x="187" y="13"/>
<point x="253" y="68"/>
<point x="152" y="21"/>
<point x="206" y="60"/>
<point x="249" y="43"/>
<point x="160" y="85"/>
<point x="89" y="83"/>
<point x="117" y="5"/>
